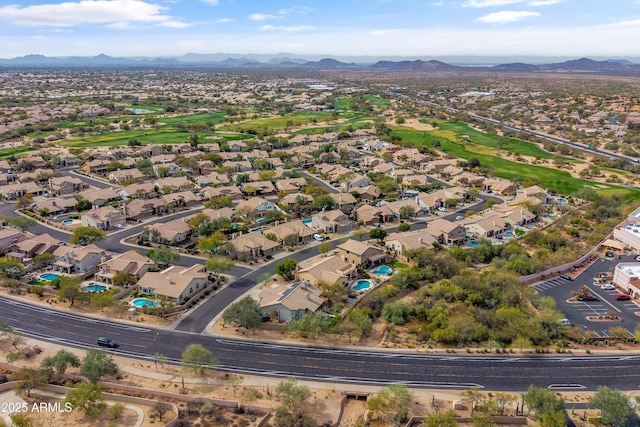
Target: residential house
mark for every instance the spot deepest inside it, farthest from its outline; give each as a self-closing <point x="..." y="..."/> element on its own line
<point x="369" y="193"/>
<point x="500" y="186"/>
<point x="214" y="214"/>
<point x="63" y="185"/>
<point x="163" y="158"/>
<point x="538" y="193"/>
<point x="486" y="225"/>
<point x="252" y="245"/>
<point x="359" y="253"/>
<point x="145" y="190"/>
<point x="5" y="167"/>
<point x="514" y="216"/>
<point x="174" y="283"/>
<point x="429" y="201"/>
<point x="367" y="214"/>
<point x="100" y="196"/>
<point x="291" y="185"/>
<point x="256" y="205"/>
<point x="331" y="269"/>
<point x="213" y="179"/>
<point x="354" y="182"/>
<point x="291" y="233"/>
<point x="289" y="302"/>
<point x="239" y="166"/>
<point x="398" y="204"/>
<point x="413" y="180"/>
<point x="95" y="166"/>
<point x="78" y="259"/>
<point x="164" y="169"/>
<point x="334" y="221"/>
<point x="214" y="192"/>
<point x="175" y="231"/>
<point x="174" y="184"/>
<point x="181" y="199"/>
<point x="15" y="191"/>
<point x="49" y="207"/>
<point x="237" y="146"/>
<point x="9" y="237"/>
<point x="258" y="187"/>
<point x="139" y="209"/>
<point x="399" y="243"/>
<point x="130" y="262"/>
<point x="295" y="199"/>
<point x="345" y="201"/>
<point x="27" y="249"/>
<point x="447" y="232"/>
<point x="103" y="218"/>
<point x="126" y="175"/>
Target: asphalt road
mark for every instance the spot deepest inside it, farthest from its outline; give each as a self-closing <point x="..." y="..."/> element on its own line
<point x="560" y="290"/>
<point x="335" y="365"/>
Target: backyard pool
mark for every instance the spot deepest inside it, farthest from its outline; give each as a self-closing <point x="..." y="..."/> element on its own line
<point x="362" y="285"/>
<point x="473" y="244"/>
<point x="307" y="221"/>
<point x="383" y="270"/>
<point x="94" y="287"/>
<point x="144" y="302"/>
<point x="508" y="235"/>
<point x="561" y="200"/>
<point x="67" y="222"/>
<point x="49" y="276"/>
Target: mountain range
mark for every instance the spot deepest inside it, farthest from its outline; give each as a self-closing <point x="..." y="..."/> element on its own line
<point x="583" y="65"/>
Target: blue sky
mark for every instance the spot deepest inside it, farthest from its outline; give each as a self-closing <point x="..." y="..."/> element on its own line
<point x="407" y="28"/>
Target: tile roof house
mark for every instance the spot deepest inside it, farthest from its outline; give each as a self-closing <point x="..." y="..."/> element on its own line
<point x="252" y="245"/>
<point x="100" y="196"/>
<point x="138" y="209"/>
<point x="334" y="221"/>
<point x="486" y="225"/>
<point x="174" y="231"/>
<point x="182" y="198"/>
<point x="53" y="206"/>
<point x="447" y="232"/>
<point x="122" y="175"/>
<point x="367" y="214"/>
<point x="78" y="259"/>
<point x="292" y="232"/>
<point x="145" y="190"/>
<point x="62" y="185"/>
<point x="256" y="204"/>
<point x="174" y="283"/>
<point x="32" y="246"/>
<point x="214" y="192"/>
<point x="130" y="262"/>
<point x="289" y="302"/>
<point x="291" y="185"/>
<point x="179" y="183"/>
<point x="103" y="218"/>
<point x="8" y="237"/>
<point x="400" y="243"/>
<point x="369" y="193"/>
<point x="358" y="253"/>
<point x="15" y="191"/>
<point x="331" y="269"/>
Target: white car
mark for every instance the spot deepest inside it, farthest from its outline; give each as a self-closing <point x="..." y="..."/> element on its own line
<point x="607" y="287"/>
<point x="459" y="217"/>
<point x="441" y="209"/>
<point x="118" y="225"/>
<point x="318" y="237"/>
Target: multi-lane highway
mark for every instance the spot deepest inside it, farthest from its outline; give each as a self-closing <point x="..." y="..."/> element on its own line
<point x="337" y="365"/>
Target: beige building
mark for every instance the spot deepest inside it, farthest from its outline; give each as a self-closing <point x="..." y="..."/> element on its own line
<point x="331" y="269"/>
<point x="289" y="302"/>
<point x="174" y="283"/>
<point x="626" y="276"/>
<point x="130" y="262"/>
<point x="359" y="253"/>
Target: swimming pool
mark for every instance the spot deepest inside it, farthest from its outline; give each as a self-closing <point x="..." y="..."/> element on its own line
<point x="307" y="221"/>
<point x="561" y="200"/>
<point x="49" y="276"/>
<point x="383" y="269"/>
<point x="473" y="244"/>
<point x="144" y="302"/>
<point x="67" y="222"/>
<point x="94" y="287"/>
<point x="362" y="285"/>
<point x="508" y="235"/>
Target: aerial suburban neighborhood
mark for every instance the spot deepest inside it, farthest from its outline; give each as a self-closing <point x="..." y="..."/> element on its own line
<point x="268" y="240"/>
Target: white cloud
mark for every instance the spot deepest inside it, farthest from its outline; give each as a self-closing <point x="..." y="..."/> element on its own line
<point x="289" y="29"/>
<point x="68" y="14"/>
<point x="489" y="3"/>
<point x="506" y="16"/>
<point x="211" y="2"/>
<point x="262" y="17"/>
<point x="120" y="26"/>
<point x="537" y="3"/>
<point x="225" y="20"/>
<point x="297" y="9"/>
<point x="174" y="24"/>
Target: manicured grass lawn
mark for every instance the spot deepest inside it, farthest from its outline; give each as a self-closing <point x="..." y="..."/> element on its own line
<point x="161" y="136"/>
<point x="191" y="119"/>
<point x="345" y="104"/>
<point x="553" y="179"/>
<point x="276" y="123"/>
<point x="491" y="140"/>
<point x="376" y="100"/>
<point x="8" y="152"/>
<point x="397" y="264"/>
<point x="335" y="128"/>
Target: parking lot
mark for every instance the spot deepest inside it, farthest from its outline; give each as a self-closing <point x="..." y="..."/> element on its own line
<point x="577" y="312"/>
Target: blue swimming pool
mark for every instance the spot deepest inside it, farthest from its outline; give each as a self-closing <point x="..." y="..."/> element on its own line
<point x="508" y="235"/>
<point x="362" y="285"/>
<point x="383" y="269"/>
<point x="473" y="244"/>
<point x="144" y="302"/>
<point x="67" y="222"/>
<point x="94" y="287"/>
<point x="49" y="276"/>
<point x="561" y="200"/>
<point x="307" y="221"/>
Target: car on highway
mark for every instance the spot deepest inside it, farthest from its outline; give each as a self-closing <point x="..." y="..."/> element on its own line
<point x="607" y="287"/>
<point x="622" y="297"/>
<point x="318" y="237"/>
<point x="565" y="277"/>
<point x="107" y="342"/>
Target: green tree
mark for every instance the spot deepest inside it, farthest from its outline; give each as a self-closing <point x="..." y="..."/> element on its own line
<point x="407" y="211"/>
<point x="196" y="357"/>
<point x="398" y="398"/>
<point x="19" y="420"/>
<point x="244" y="313"/>
<point x="44" y="259"/>
<point x="159" y="358"/>
<point x="218" y="265"/>
<point x="615" y="407"/>
<point x="69" y="289"/>
<point x="324" y="247"/>
<point x="86" y="235"/>
<point x="547" y="407"/>
<point x="377" y="405"/>
<point x="83" y="205"/>
<point x="116" y="410"/>
<point x="503" y="401"/>
<point x="404" y="226"/>
<point x="86" y="398"/>
<point x="123" y="279"/>
<point x="309" y="325"/>
<point x="441" y="419"/>
<point x="362" y="319"/>
<point x="211" y="243"/>
<point x="60" y="362"/>
<point x="10" y="267"/>
<point x="21" y="222"/>
<point x="163" y="256"/>
<point x="28" y="379"/>
<point x="234" y="381"/>
<point x="96" y="364"/>
<point x="378" y="233"/>
<point x="287" y="268"/>
<point x="325" y="202"/>
<point x="293" y="396"/>
<point x="396" y="312"/>
<point x="101" y="300"/>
